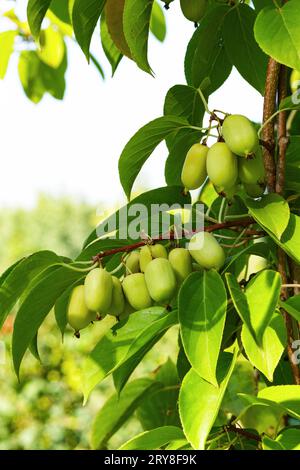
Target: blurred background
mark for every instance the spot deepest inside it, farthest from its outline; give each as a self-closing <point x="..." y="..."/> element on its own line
<point x="58" y="170"/>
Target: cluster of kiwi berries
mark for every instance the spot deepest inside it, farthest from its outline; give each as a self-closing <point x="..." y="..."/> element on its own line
<point x="153" y="277"/>
<point x="235" y="160"/>
<point x="193" y="10"/>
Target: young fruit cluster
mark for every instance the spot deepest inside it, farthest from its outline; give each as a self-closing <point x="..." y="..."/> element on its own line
<point x="152" y="276"/>
<point x="227" y="164"/>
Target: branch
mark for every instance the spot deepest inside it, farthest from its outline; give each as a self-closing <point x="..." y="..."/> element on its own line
<point x="243" y="432"/>
<point x="268" y="135"/>
<point x="282" y="132"/>
<point x="245" y="222"/>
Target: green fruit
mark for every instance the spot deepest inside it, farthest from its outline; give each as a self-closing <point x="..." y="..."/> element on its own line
<point x="254" y="190"/>
<point x="222" y="168"/>
<point x="193" y="10"/>
<point x="193" y="172"/>
<point x="240" y="135"/>
<point x="136" y="292"/>
<point x="145" y="257"/>
<point x="295" y="81"/>
<point x="158" y="251"/>
<point x="161" y="280"/>
<point x="98" y="290"/>
<point x="117" y="301"/>
<point x="79" y="316"/>
<point x="132" y="262"/>
<point x="181" y="262"/>
<point x="252" y="170"/>
<point x="205" y="249"/>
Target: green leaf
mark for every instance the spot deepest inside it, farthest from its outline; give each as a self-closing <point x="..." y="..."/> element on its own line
<point x="241" y="47"/>
<point x="292" y="180"/>
<point x="136" y="24"/>
<point x="157" y="22"/>
<point x="286" y="396"/>
<point x="202" y="318"/>
<point x="60" y="8"/>
<point x="258" y="249"/>
<point x="267" y="356"/>
<point x="154" y="439"/>
<point x="36" y="11"/>
<point x="152" y="201"/>
<point x="292" y="306"/>
<point x="35" y="307"/>
<point x="272" y="212"/>
<point x="291" y="102"/>
<point x="289" y="439"/>
<point x="206" y="62"/>
<point x="117" y="410"/>
<point x="141" y="345"/>
<point x="277" y="33"/>
<point x="161" y="408"/>
<point x="184" y="101"/>
<point x="113" y="347"/>
<point x="269" y="444"/>
<point x="178" y="150"/>
<point x="111" y="51"/>
<point x="33" y="348"/>
<point x="200" y="401"/>
<point x="7" y="39"/>
<point x="142" y="144"/>
<point x="114" y="10"/>
<point x="85" y="16"/>
<point x="260" y="4"/>
<point x="16" y="280"/>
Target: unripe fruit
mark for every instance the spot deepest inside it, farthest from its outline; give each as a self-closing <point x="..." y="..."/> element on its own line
<point x="132" y="262"/>
<point x="240" y="135"/>
<point x="145" y="257"/>
<point x="252" y="170"/>
<point x="181" y="262"/>
<point x="193" y="10"/>
<point x="136" y="291"/>
<point x="193" y="172"/>
<point x="158" y="251"/>
<point x="205" y="249"/>
<point x="98" y="290"/>
<point x="254" y="190"/>
<point x="161" y="280"/>
<point x="222" y="168"/>
<point x="79" y="316"/>
<point x="295" y="81"/>
<point x="117" y="301"/>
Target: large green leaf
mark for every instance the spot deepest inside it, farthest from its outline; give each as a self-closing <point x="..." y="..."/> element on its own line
<point x="260" y="4"/>
<point x="202" y="318"/>
<point x="241" y="47"/>
<point x="142" y="144"/>
<point x="158" y="25"/>
<point x="286" y="396"/>
<point x="154" y="439"/>
<point x="292" y="175"/>
<point x="184" y="101"/>
<point x="272" y="212"/>
<point x="179" y="147"/>
<point x="140" y="346"/>
<point x="36" y="11"/>
<point x="267" y="356"/>
<point x="117" y="410"/>
<point x="161" y="408"/>
<point x="136" y="24"/>
<point x="61" y="9"/>
<point x="85" y="16"/>
<point x="17" y="279"/>
<point x="155" y="201"/>
<point x="110" y="49"/>
<point x="277" y="32"/>
<point x="114" y="10"/>
<point x="36" y="306"/>
<point x="200" y="401"/>
<point x="114" y="346"/>
<point x="7" y="39"/>
<point x="206" y="63"/>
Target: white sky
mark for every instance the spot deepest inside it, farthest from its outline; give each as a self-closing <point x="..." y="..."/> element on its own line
<point x="72" y="147"/>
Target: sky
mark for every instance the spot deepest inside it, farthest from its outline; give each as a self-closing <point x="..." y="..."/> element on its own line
<point x="71" y="147"/>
